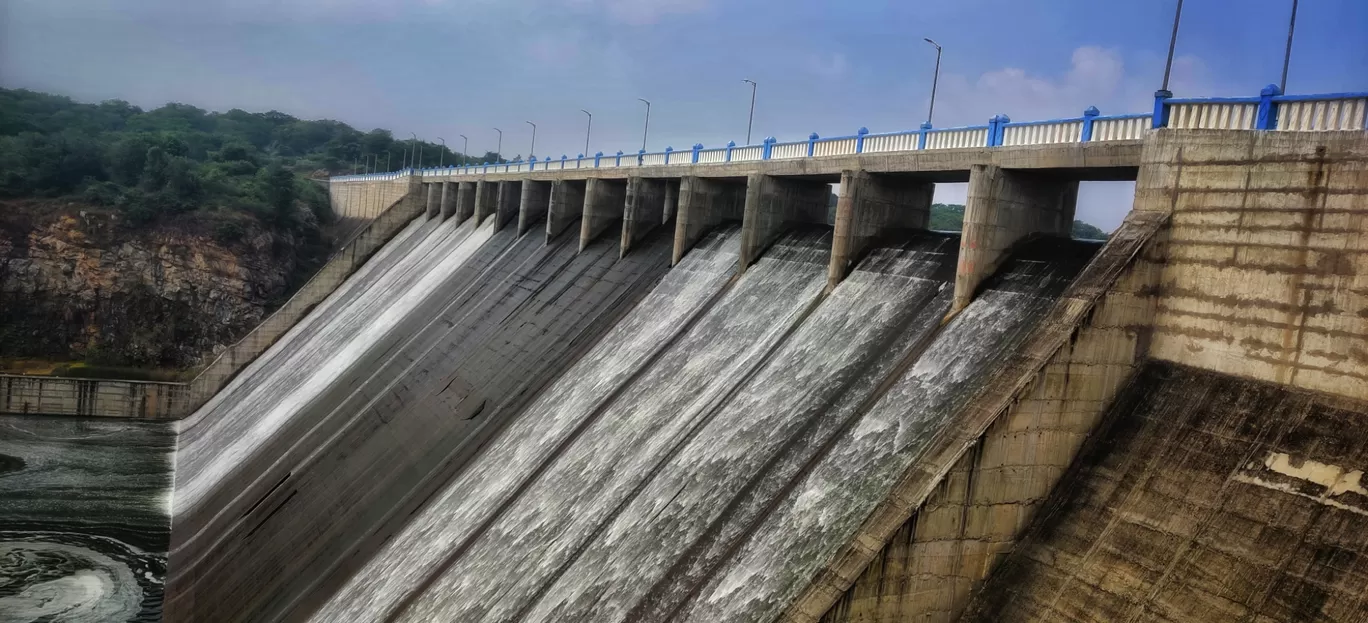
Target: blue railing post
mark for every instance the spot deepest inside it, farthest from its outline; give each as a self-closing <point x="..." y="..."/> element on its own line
<point x="768" y="147"/>
<point x="921" y="138"/>
<point x="619" y="159"/>
<point x="812" y="143"/>
<point x="696" y="148"/>
<point x="1267" y="118"/>
<point x="532" y="163"/>
<point x="579" y="161"/>
<point x="1088" y="116"/>
<point x="563" y="159"/>
<point x="859" y="139"/>
<point x="668" y="150"/>
<point x="598" y="156"/>
<point x="1161" y="109"/>
<point x="995" y="129"/>
<point x="641" y="157"/>
<point x="730" y="146"/>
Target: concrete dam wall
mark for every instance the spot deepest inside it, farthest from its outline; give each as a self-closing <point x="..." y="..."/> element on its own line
<point x="693" y="399"/>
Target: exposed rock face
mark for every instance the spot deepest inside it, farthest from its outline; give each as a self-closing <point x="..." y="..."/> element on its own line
<point x="79" y="284"/>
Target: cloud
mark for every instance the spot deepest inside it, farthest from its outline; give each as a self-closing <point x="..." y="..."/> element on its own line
<point x="641" y="12"/>
<point x="828" y="67"/>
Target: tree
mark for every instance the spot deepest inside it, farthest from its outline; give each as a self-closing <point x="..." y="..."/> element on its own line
<point x="280" y="192"/>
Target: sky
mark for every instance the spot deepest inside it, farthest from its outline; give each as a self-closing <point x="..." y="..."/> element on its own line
<point x="443" y="68"/>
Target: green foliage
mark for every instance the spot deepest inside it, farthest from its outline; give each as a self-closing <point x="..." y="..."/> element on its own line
<point x="947" y="217"/>
<point x="1088" y="231"/>
<point x="180" y="158"/>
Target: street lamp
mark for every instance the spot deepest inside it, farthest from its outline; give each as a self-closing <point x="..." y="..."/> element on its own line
<point x="751" y="120"/>
<point x="465" y="151"/>
<point x="647" y="129"/>
<point x="935" y="78"/>
<point x="413" y="159"/>
<point x="498" y="151"/>
<point x="587" y="129"/>
<point x="532" y="152"/>
<point x="1287" y="57"/>
<point x="1173" y="41"/>
<point x="441" y="156"/>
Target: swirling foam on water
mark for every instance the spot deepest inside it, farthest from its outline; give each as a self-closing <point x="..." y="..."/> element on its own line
<point x="64" y="583"/>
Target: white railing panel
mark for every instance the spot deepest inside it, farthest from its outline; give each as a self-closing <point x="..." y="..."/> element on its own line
<point x="955" y="139"/>
<point x="1213" y="116"/>
<point x="1322" y="115"/>
<point x="1043" y="133"/>
<point x="745" y="154"/>
<point x="655" y="159"/>
<point x="783" y="151"/>
<point x="1132" y="128"/>
<point x="879" y="143"/>
<point x="712" y="156"/>
<point x="835" y="147"/>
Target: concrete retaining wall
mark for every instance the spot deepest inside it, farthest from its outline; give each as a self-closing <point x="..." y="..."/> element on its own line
<point x="46" y="395"/>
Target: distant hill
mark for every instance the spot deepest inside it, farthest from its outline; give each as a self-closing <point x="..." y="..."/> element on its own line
<point x="950" y="217"/>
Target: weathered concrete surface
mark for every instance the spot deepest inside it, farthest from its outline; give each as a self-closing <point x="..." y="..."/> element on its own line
<point x="486" y="199"/>
<point x="1204" y="497"/>
<point x="533" y="204"/>
<point x="365" y="199"/>
<point x="645" y="209"/>
<point x="705" y="203"/>
<point x="509" y="198"/>
<point x="1003" y="207"/>
<point x="773" y="205"/>
<point x="342" y="265"/>
<point x="1267" y="268"/>
<point x="47" y="395"/>
<point x="449" y="190"/>
<point x="465" y="201"/>
<point x="433" y="192"/>
<point x="567" y="206"/>
<point x="604" y="204"/>
<point x="975" y="514"/>
<point x="869" y="207"/>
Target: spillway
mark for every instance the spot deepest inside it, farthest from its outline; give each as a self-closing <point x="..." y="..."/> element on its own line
<point x="638" y="486"/>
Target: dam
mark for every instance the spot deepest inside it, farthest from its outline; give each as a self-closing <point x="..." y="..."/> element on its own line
<point x="679" y="386"/>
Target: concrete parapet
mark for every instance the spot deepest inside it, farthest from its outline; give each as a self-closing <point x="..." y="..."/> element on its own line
<point x="774" y="204"/>
<point x="465" y="201"/>
<point x="533" y="204"/>
<point x="644" y="211"/>
<point x="566" y="206"/>
<point x="870" y="205"/>
<point x="604" y="202"/>
<point x="1003" y="206"/>
<point x="449" y="199"/>
<point x="705" y="203"/>
<point x="486" y="199"/>
<point x="434" y="199"/>
<point x="510" y="195"/>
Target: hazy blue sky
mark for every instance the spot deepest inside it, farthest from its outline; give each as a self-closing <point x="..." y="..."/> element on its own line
<point x="447" y="67"/>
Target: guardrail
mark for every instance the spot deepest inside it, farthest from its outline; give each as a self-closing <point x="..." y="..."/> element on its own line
<point x="1271" y="110"/>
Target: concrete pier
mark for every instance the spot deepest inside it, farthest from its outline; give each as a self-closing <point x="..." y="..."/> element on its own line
<point x="871" y="205"/>
<point x="566" y="206"/>
<point x="465" y="201"/>
<point x="1003" y="206"/>
<point x="533" y="204"/>
<point x="645" y="209"/>
<point x="604" y="201"/>
<point x="509" y="196"/>
<point x="449" y="199"/>
<point x="773" y="204"/>
<point x="434" y="199"/>
<point x="705" y="203"/>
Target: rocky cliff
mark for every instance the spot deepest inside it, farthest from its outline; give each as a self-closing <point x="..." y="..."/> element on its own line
<point x="79" y="284"/>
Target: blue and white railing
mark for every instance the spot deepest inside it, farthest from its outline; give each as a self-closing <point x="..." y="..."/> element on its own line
<point x="1270" y="110"/>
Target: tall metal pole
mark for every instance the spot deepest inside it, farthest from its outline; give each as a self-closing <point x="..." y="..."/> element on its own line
<point x="498" y="151"/>
<point x="648" y="123"/>
<point x="532" y="152"/>
<point x="389" y="155"/>
<point x="465" y="151"/>
<point x="441" y="156"/>
<point x="750" y="120"/>
<point x="935" y="79"/>
<point x="1173" y="42"/>
<point x="413" y="158"/>
<point x="1287" y="57"/>
<point x="587" y="129"/>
